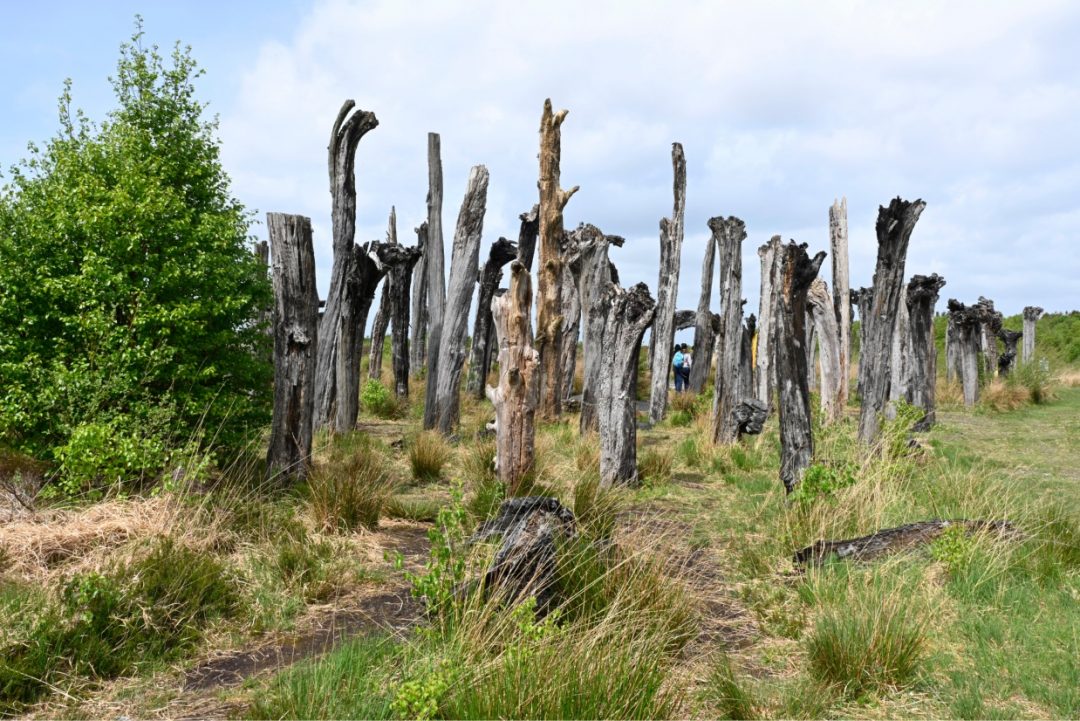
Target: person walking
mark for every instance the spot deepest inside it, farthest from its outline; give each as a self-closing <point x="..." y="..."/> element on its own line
<point x="676" y="364"/>
<point x="688" y="363"/>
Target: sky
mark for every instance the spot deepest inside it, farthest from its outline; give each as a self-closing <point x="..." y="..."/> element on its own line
<point x="781" y="107"/>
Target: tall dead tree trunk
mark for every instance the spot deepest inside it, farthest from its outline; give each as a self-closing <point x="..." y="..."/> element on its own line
<point x="338" y="328"/>
<point x="797" y="272"/>
<point x="502" y="252"/>
<point x="1032" y="313"/>
<point x="952" y="350"/>
<point x="764" y="373"/>
<point x="967" y="322"/>
<point x="811" y="352"/>
<point x="922" y="295"/>
<point x="663" y="332"/>
<point x="571" y="304"/>
<point x="455" y="323"/>
<point x="386" y="303"/>
<point x="436" y="279"/>
<point x="295" y="322"/>
<point x="530" y="228"/>
<point x="746" y="359"/>
<point x="364" y="276"/>
<point x="863" y="299"/>
<point x="549" y="318"/>
<point x="1010" y="338"/>
<point x="265" y="317"/>
<point x="900" y="363"/>
<point x="841" y="288"/>
<point x="990" y="324"/>
<point x="703" y="335"/>
<point x="894" y="226"/>
<point x="626" y="314"/>
<point x="823" y="310"/>
<point x="399" y="262"/>
<point x="418" y="340"/>
<point x="516" y="395"/>
<point x="728" y="235"/>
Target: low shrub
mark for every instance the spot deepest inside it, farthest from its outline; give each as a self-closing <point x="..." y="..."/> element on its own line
<point x="428" y="453"/>
<point x="350" y="489"/>
<point x="654" y="466"/>
<point x="379" y="401"/>
<point x="412" y="509"/>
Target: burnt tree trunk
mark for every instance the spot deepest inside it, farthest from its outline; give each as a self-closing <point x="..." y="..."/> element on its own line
<point x="436" y="279"/>
<point x="894" y="226"/>
<point x="418" y="340"/>
<point x="823" y="311"/>
<point x="966" y="322"/>
<point x="337" y="328"/>
<point x="663" y="332"/>
<point x="841" y="288"/>
<point x="295" y="324"/>
<point x="516" y="395"/>
<point x="386" y="302"/>
<point x="746" y="359"/>
<point x="1010" y="338"/>
<point x="1032" y="313"/>
<point x="399" y="262"/>
<point x="549" y="318"/>
<point x="455" y="322"/>
<point x="364" y="276"/>
<point x="764" y="373"/>
<point x="626" y="315"/>
<point x="502" y="252"/>
<point x="703" y="335"/>
<point x="530" y="227"/>
<point x="797" y="272"/>
<point x="922" y="295"/>
<point x="728" y="234"/>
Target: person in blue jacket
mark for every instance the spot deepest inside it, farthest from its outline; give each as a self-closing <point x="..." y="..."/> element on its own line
<point x="677" y="364"/>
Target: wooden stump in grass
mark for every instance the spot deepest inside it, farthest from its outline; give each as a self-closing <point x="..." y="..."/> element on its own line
<point x="841" y="288"/>
<point x="967" y="324"/>
<point x="828" y="338"/>
<point x="1032" y="313"/>
<point x="382" y="317"/>
<point x="764" y="373"/>
<point x="364" y="276"/>
<point x="436" y="281"/>
<point x="728" y="234"/>
<point x="502" y="252"/>
<point x="922" y="295"/>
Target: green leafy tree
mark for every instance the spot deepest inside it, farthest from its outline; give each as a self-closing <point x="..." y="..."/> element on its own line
<point x="129" y="296"/>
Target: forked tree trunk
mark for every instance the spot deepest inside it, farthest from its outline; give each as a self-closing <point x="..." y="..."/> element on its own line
<point x="764" y="374"/>
<point x="828" y="337"/>
<point x="1032" y="313"/>
<point x="571" y="303"/>
<point x="549" y="318"/>
<point x="900" y="364"/>
<point x="990" y="324"/>
<point x="798" y="271"/>
<point x="966" y="321"/>
<point x="703" y="335"/>
<point x="728" y="235"/>
<point x="399" y="262"/>
<point x="626" y="315"/>
<point x="295" y="321"/>
<point x="418" y="340"/>
<point x="386" y="303"/>
<point x="838" y="241"/>
<point x="530" y="227"/>
<point x="366" y="272"/>
<point x="516" y="395"/>
<point x="436" y="280"/>
<point x="663" y="332"/>
<point x="502" y="252"/>
<point x="894" y="226"/>
<point x="746" y="359"/>
<point x="455" y="324"/>
<point x="1010" y="338"/>
<point x="336" y="335"/>
<point x="922" y="295"/>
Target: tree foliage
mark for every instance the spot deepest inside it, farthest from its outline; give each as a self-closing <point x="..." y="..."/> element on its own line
<point x="129" y="297"/>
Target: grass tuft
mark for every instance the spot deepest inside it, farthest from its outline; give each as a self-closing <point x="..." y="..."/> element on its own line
<point x="428" y="454"/>
<point x="350" y="490"/>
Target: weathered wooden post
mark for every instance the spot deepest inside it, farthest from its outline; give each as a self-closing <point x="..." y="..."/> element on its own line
<point x="338" y="328"/>
<point x="703" y="335"/>
<point x="502" y="252"/>
<point x="811" y="352"/>
<point x="386" y="302"/>
<point x="922" y="295"/>
<point x="549" y="318"/>
<point x="571" y="311"/>
<point x="863" y="299"/>
<point x="455" y="322"/>
<point x="1032" y="313"/>
<point x="418" y="340"/>
<point x="626" y="314"/>
<point x="530" y="228"/>
<point x="436" y="280"/>
<point x="399" y="262"/>
<point x="364" y="276"/>
<point x="900" y="363"/>
<point x="765" y="374"/>
<point x="797" y="272"/>
<point x="663" y="332"/>
<point x="516" y="395"/>
<point x="894" y="226"/>
<point x="990" y="324"/>
<point x="295" y="320"/>
<point x="1010" y="338"/>
<point x="746" y="359"/>
<point x="841" y="288"/>
<point x="952" y="350"/>
<point x="823" y="312"/>
<point x="967" y="323"/>
<point x="728" y="235"/>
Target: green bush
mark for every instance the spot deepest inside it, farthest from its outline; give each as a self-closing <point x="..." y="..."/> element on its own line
<point x="822" y="481"/>
<point x="376" y="399"/>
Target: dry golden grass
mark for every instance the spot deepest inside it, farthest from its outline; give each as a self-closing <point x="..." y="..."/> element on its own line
<point x="1068" y="378"/>
<point x="428" y="453"/>
<point x="999" y="395"/>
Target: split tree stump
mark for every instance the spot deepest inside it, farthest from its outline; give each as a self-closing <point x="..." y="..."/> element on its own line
<point x="1010" y="338"/>
<point x="399" y="262"/>
<point x="966" y="322"/>
<point x="502" y="252"/>
<point x="828" y="338"/>
<point x="382" y="317"/>
<point x="922" y="295"/>
<point x="364" y="276"/>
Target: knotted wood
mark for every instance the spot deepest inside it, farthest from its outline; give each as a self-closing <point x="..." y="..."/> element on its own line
<point x="894" y="227"/>
<point x="663" y="333"/>
<point x="728" y="235"/>
<point x="386" y="301"/>
<point x="765" y="374"/>
<point x="295" y="327"/>
<point x="797" y="272"/>
<point x="338" y="328"/>
<point x="436" y="280"/>
<point x="502" y="252"/>
<point x="841" y="288"/>
<point x="418" y="340"/>
<point x="703" y="329"/>
<point x="1032" y="313"/>
<point x="823" y="312"/>
<point x="966" y="323"/>
<point x="922" y="295"/>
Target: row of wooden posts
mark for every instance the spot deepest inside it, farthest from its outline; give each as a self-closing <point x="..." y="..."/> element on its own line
<point x="800" y="326"/>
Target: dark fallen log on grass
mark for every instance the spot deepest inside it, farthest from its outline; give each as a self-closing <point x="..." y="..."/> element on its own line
<point x="893" y="540"/>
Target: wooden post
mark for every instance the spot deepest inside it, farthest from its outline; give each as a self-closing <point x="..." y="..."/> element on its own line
<point x="823" y="310"/>
<point x="863" y="299"/>
<point x="728" y="234"/>
<point x="549" y="318"/>
<point x="841" y="288"/>
<point x="1032" y="313"/>
<point x="765" y="374"/>
<point x="364" y="276"/>
<point x="1010" y="338"/>
<point x="338" y="328"/>
<point x="626" y="314"/>
<point x="922" y="295"/>
<point x="894" y="226"/>
<point x="900" y="363"/>
<point x="990" y="324"/>
<point x="455" y="323"/>
<point x="530" y="227"/>
<point x="663" y="332"/>
<point x="516" y="395"/>
<point x="418" y="341"/>
<point x="296" y="313"/>
<point x="571" y="311"/>
<point x="436" y="279"/>
<point x="502" y="252"/>
<point x="952" y="350"/>
<point x="386" y="302"/>
<point x="797" y="272"/>
<point x="811" y="352"/>
<point x="967" y="323"/>
<point x="746" y="359"/>
<point x="399" y="262"/>
<point x="703" y="335"/>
